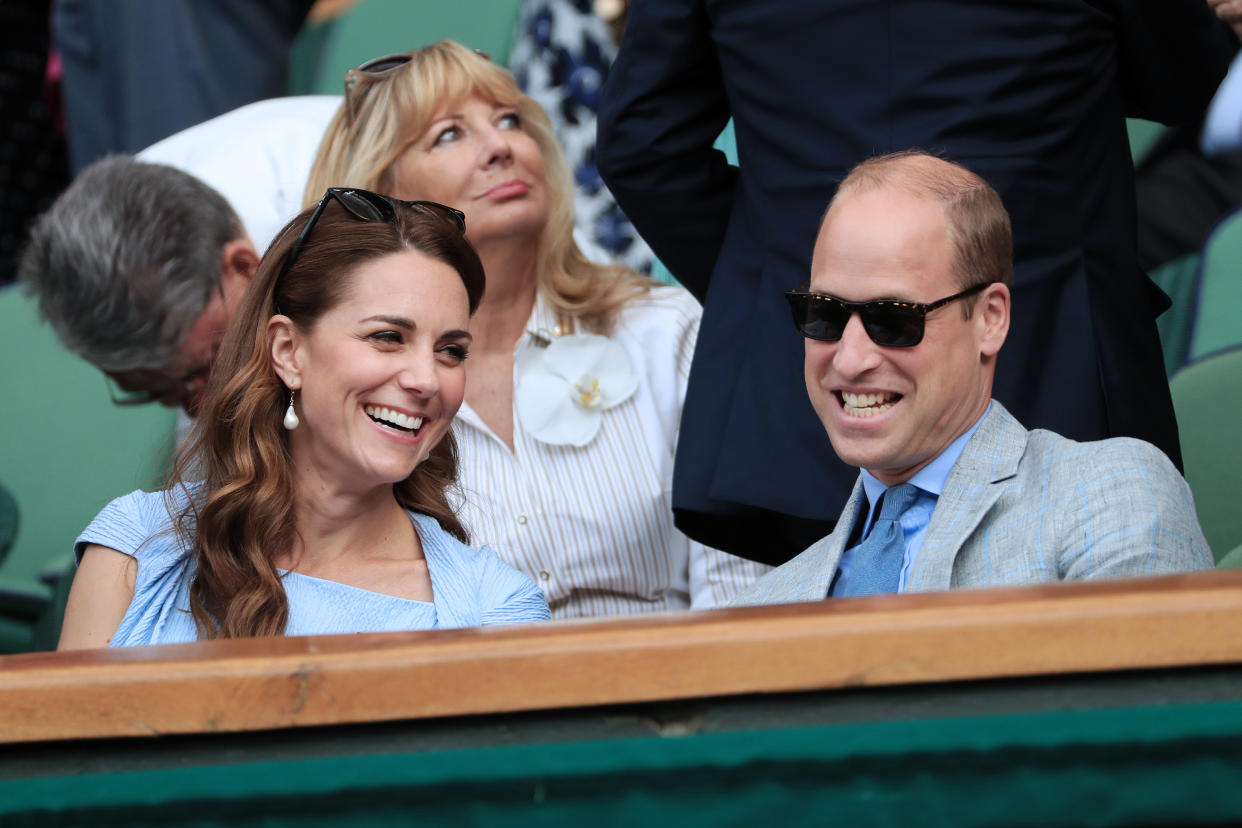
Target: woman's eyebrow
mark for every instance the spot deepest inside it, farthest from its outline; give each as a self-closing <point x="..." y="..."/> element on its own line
<point x="397" y="321"/>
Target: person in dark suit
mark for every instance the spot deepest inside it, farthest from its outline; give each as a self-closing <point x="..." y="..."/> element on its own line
<point x="1032" y="99"/>
<point x="136" y="72"/>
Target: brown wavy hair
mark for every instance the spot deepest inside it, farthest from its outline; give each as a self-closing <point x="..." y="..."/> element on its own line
<point x="360" y="150"/>
<point x="241" y="514"/>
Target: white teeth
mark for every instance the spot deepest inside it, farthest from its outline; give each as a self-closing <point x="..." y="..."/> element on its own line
<point x="867" y="405"/>
<point x="394" y="417"/>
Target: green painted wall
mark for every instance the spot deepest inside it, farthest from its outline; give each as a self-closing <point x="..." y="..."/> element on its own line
<point x="323" y="54"/>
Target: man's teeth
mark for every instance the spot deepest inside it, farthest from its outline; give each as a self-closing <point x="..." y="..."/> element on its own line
<point x="867" y="405"/>
<point x="396" y="418"/>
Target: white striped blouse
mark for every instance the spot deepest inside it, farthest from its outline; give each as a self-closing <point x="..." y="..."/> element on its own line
<point x="593" y="525"/>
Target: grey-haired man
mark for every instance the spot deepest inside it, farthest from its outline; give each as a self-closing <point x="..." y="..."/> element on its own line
<point x="137" y="268"/>
<point x="138" y="265"/>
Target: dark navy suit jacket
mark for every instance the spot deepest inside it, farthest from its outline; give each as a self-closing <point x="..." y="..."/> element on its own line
<point x="1030" y="95"/>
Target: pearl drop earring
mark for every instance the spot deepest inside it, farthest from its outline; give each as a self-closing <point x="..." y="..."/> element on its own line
<point x="291" y="416"/>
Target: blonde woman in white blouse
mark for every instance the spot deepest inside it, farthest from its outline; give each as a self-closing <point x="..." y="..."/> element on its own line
<point x="578" y="370"/>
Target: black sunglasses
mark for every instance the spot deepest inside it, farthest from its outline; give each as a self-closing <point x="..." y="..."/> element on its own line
<point x="888" y="322"/>
<point x="361" y="76"/>
<point x="159" y="387"/>
<point x="376" y="69"/>
<point x="368" y="206"/>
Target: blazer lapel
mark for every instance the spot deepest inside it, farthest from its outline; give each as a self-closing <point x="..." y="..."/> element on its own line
<point x="822" y="557"/>
<point x="990" y="457"/>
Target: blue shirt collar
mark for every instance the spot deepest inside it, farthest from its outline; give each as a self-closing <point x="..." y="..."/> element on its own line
<point x="931" y="477"/>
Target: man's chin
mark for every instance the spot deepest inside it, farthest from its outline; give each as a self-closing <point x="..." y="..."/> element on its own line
<point x="863" y="454"/>
<point x="853" y="454"/>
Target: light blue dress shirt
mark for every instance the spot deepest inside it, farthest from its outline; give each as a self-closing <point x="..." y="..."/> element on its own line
<point x="929" y="481"/>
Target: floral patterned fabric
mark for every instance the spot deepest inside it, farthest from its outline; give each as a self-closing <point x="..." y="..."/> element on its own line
<point x="561" y="54"/>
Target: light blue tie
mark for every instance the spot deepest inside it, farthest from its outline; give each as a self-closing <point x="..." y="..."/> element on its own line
<point x="875" y="567"/>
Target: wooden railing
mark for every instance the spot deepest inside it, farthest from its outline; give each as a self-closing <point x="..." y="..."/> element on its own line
<point x="257" y="684"/>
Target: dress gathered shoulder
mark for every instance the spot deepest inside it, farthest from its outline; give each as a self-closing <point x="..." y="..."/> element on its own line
<point x="470" y="587"/>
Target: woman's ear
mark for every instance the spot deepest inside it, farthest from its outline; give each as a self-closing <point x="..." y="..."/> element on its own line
<point x="284" y="345"/>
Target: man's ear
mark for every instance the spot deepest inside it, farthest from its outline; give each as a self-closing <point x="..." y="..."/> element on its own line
<point x="239" y="261"/>
<point x="284" y="346"/>
<point x="992" y="317"/>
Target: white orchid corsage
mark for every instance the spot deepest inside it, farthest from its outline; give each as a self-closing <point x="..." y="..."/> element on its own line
<point x="565" y="385"/>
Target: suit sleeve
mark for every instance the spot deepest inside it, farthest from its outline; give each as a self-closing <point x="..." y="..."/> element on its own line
<point x="664" y="104"/>
<point x="717" y="577"/>
<point x="1138" y="519"/>
<point x="1173" y="55"/>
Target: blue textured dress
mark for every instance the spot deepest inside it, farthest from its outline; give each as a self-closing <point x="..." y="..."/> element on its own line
<point x="471" y="588"/>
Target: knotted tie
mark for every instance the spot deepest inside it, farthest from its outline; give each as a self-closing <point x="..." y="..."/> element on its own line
<point x="875" y="567"/>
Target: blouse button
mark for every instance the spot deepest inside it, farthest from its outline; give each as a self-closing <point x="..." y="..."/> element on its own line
<point x="522" y="519"/>
<point x="544" y="575"/>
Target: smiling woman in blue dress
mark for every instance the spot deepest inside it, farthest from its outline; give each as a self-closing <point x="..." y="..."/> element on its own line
<point x="325" y="452"/>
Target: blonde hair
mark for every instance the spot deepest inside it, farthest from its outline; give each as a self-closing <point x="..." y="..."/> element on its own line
<point x="393" y="111"/>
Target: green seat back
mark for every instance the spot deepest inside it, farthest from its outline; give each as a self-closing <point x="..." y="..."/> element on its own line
<point x="1208" y="398"/>
<point x="45" y="633"/>
<point x="1143" y="135"/>
<point x="8" y="522"/>
<point x="1232" y="559"/>
<point x="325" y="52"/>
<point x="1179" y="279"/>
<point x="67" y="450"/>
<point x="1218" y="306"/>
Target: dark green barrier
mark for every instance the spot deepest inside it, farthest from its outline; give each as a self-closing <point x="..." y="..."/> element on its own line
<point x="1149" y="765"/>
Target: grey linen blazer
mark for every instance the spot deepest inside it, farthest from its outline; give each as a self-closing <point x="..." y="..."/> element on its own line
<point x="1027" y="507"/>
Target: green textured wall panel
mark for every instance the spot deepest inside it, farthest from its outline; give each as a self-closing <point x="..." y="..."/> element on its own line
<point x="1107" y="767"/>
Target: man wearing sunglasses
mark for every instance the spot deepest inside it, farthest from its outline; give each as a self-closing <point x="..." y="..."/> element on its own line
<point x="907" y="309"/>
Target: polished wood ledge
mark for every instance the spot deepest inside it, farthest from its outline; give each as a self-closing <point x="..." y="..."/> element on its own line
<point x="257" y="684"/>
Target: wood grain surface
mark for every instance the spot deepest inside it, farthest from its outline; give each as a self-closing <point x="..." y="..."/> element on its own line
<point x="254" y="684"/>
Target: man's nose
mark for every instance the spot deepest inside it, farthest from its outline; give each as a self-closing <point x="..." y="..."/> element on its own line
<point x="856" y="353"/>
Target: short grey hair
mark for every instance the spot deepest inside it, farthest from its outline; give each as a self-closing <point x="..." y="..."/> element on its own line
<point x="126" y="259"/>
